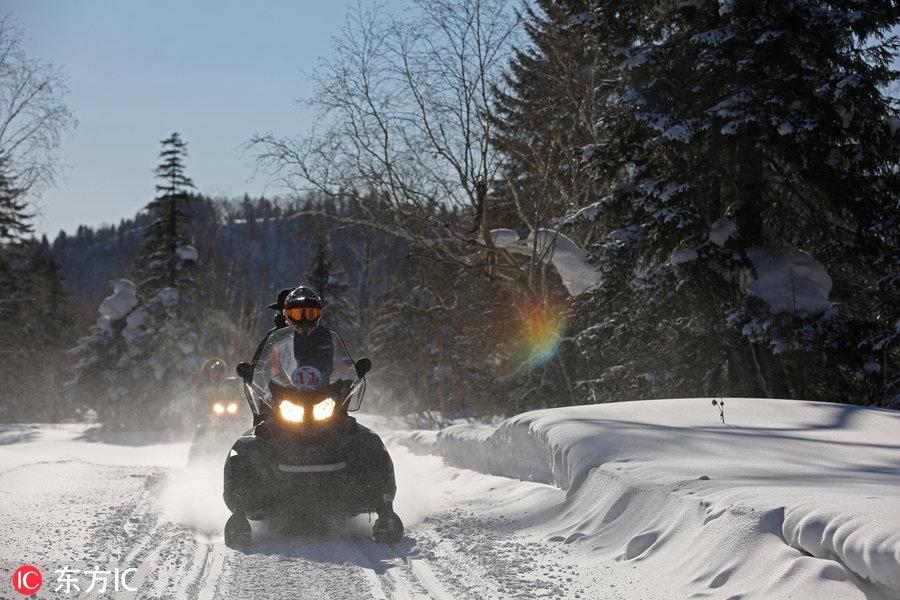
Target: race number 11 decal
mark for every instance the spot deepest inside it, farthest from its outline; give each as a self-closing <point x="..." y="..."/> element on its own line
<point x="306" y="378"/>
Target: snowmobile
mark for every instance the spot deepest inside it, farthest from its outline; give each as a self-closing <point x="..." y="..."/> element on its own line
<point x="221" y="415"/>
<point x="306" y="457"/>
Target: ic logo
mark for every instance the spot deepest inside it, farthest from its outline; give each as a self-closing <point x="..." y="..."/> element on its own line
<point x="27" y="580"/>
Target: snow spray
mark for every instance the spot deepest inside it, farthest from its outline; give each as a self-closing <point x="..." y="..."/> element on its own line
<point x="193" y="497"/>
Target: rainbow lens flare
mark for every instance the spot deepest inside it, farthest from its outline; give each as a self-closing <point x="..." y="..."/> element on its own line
<point x="539" y="338"/>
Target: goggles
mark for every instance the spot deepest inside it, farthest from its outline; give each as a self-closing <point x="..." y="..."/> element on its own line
<point x="304" y="313"/>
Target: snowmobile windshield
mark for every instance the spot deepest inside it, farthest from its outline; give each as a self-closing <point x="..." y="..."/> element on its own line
<point x="308" y="362"/>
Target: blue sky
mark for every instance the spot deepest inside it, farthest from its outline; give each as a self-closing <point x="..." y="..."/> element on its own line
<point x="215" y="71"/>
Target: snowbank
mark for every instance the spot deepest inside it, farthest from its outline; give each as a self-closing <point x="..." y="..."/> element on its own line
<point x="802" y="479"/>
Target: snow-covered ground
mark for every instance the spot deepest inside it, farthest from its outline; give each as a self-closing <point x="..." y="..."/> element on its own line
<point x="651" y="500"/>
<point x="70" y="500"/>
<point x="786" y="499"/>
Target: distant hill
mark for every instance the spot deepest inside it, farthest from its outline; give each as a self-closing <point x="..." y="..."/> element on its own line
<point x="249" y="249"/>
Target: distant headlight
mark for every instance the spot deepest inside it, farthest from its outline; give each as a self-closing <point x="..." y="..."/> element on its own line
<point x="218" y="408"/>
<point x="232" y="408"/>
<point x="323" y="410"/>
<point x="290" y="412"/>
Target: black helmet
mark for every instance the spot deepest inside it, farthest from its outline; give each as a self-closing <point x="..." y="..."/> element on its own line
<point x="303" y="306"/>
<point x="215" y="370"/>
<point x="303" y="296"/>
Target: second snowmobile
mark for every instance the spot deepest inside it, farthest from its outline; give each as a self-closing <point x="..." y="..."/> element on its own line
<point x="220" y="413"/>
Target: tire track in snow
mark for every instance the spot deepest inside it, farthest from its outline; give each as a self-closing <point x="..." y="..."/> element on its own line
<point x="134" y="522"/>
<point x="191" y="585"/>
<point x="212" y="569"/>
<point x="278" y="565"/>
<point x="139" y="549"/>
<point x="159" y="544"/>
<point x="371" y="576"/>
<point x="404" y="574"/>
<point x="401" y="588"/>
<point x="426" y="576"/>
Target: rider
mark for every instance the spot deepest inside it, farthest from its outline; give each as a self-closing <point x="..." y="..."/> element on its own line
<point x="213" y="373"/>
<point x="303" y="309"/>
<point x="210" y="383"/>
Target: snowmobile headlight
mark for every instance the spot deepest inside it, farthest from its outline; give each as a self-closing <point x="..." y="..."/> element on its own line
<point x="232" y="408"/>
<point x="218" y="408"/>
<point x="323" y="410"/>
<point x="290" y="412"/>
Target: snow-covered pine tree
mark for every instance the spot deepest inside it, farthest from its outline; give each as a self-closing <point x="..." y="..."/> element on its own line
<point x="544" y="111"/>
<point x="161" y="334"/>
<point x="751" y="154"/>
<point x="166" y="255"/>
<point x="106" y="377"/>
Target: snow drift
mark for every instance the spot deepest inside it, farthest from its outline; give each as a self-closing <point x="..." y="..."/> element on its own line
<point x="784" y="498"/>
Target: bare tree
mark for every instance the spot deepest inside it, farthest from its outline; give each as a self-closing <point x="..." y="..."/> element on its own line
<point x="32" y="113"/>
<point x="405" y="110"/>
<point x="406" y="131"/>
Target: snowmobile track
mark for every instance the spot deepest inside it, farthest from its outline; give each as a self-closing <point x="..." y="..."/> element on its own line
<point x="405" y="577"/>
<point x="212" y="568"/>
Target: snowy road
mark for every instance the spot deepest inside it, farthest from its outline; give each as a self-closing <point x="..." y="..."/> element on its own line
<point x="66" y="501"/>
<point x="664" y="502"/>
